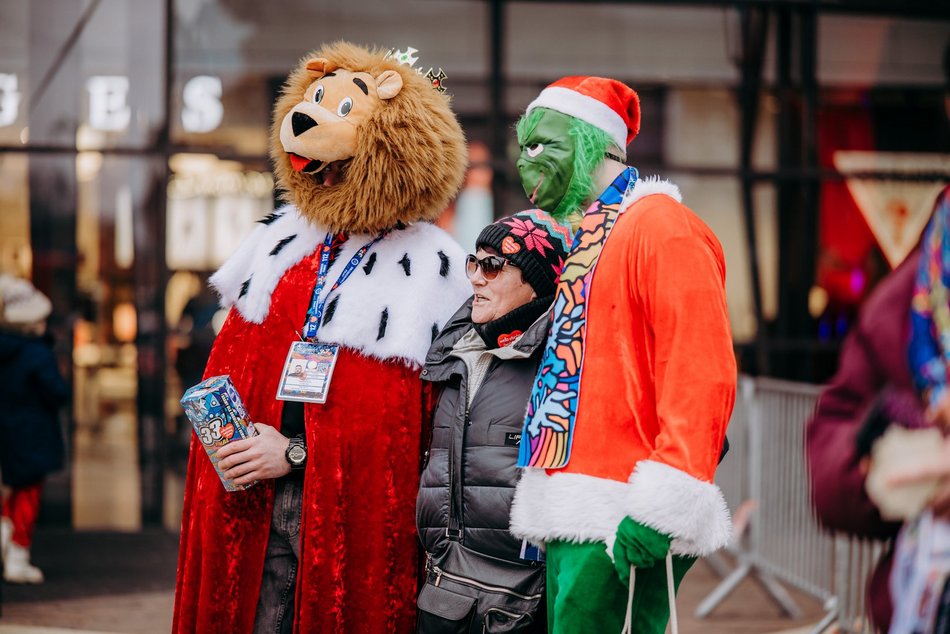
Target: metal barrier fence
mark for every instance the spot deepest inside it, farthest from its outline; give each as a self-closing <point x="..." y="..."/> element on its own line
<point x="854" y="560"/>
<point x="765" y="482"/>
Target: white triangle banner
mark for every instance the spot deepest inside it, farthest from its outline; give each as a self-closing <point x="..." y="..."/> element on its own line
<point x="896" y="210"/>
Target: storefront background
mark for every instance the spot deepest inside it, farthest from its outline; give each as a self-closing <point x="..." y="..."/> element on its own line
<point x="133" y="159"/>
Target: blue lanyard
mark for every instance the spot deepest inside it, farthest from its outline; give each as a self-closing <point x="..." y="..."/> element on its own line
<point x="315" y="312"/>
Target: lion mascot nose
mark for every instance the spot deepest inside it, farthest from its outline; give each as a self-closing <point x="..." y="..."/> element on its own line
<point x="301" y="123"/>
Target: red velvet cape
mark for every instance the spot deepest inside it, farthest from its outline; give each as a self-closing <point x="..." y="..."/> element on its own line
<point x="359" y="549"/>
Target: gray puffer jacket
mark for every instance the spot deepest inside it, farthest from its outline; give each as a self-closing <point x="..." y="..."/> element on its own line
<point x="484" y="435"/>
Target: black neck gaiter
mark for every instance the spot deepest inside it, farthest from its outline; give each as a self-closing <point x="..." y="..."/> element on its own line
<point x="500" y="332"/>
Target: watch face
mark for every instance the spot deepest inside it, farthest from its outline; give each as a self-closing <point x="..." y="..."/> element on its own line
<point x="297" y="454"/>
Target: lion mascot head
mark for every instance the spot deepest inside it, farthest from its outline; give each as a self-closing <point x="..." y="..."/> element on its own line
<point x="362" y="143"/>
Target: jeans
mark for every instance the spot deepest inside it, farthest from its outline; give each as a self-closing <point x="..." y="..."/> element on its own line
<point x="275" y="607"/>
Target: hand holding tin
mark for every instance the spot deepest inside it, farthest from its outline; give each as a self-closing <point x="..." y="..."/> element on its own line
<point x="258" y="458"/>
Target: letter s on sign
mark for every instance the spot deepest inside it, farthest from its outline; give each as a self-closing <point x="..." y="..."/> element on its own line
<point x="202" y="111"/>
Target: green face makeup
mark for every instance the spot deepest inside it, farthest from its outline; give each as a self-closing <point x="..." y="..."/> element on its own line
<point x="546" y="164"/>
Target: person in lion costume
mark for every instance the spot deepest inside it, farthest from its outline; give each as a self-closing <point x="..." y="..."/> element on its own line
<point x="366" y="153"/>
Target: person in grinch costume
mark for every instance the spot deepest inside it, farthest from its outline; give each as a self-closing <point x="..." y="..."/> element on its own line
<point x="627" y="417"/>
<point x="347" y="276"/>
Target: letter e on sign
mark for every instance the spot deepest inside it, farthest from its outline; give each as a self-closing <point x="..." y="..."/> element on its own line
<point x="108" y="102"/>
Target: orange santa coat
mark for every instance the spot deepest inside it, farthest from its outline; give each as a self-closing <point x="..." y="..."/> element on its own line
<point x="657" y="389"/>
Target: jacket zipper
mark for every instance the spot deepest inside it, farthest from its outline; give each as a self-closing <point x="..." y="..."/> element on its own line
<point x="514" y="616"/>
<point x="439" y="573"/>
<point x="452" y="458"/>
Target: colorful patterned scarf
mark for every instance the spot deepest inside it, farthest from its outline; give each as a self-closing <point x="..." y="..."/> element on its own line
<point x="929" y="349"/>
<point x="549" y="426"/>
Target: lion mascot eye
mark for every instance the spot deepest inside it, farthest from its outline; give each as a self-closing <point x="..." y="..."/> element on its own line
<point x="345" y="106"/>
<point x="318" y="95"/>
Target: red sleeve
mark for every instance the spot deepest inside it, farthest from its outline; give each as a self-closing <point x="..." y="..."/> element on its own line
<point x="682" y="287"/>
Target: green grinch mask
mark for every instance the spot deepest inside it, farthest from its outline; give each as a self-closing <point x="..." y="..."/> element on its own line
<point x="558" y="157"/>
<point x="546" y="164"/>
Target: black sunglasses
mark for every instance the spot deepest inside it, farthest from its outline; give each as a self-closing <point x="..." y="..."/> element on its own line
<point x="491" y="266"/>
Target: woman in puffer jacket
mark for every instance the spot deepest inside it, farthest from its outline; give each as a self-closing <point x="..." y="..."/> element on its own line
<point x="478" y="576"/>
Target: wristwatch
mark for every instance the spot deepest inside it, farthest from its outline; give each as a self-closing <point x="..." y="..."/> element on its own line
<point x="296" y="453"/>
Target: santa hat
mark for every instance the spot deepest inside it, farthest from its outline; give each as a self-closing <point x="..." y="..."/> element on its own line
<point x="604" y="103"/>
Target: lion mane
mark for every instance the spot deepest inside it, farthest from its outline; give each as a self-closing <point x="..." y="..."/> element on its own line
<point x="410" y="156"/>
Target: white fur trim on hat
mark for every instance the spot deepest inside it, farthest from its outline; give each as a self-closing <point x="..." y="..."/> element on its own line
<point x="585" y="108"/>
<point x="21" y="304"/>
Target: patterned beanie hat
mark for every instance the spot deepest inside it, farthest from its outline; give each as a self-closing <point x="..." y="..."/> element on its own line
<point x="533" y="241"/>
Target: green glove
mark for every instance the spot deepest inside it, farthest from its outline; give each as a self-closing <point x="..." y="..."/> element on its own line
<point x="639" y="546"/>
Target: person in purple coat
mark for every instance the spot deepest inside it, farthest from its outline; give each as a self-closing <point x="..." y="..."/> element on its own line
<point x="872" y="388"/>
<point x="872" y="374"/>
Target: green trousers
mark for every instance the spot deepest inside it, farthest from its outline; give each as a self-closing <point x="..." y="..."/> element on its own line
<point x="586" y="595"/>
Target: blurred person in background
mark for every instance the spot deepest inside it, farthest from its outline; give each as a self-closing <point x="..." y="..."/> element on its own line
<point x="889" y="365"/>
<point x="195" y="333"/>
<point x="920" y="581"/>
<point x="484" y="362"/>
<point x="847" y="419"/>
<point x="473" y="208"/>
<point x="874" y="389"/>
<point x="31" y="390"/>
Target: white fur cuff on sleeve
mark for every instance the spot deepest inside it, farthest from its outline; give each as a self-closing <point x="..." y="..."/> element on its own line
<point x="693" y="512"/>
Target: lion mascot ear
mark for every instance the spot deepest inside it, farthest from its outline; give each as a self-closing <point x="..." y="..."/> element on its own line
<point x="319" y="66"/>
<point x="388" y="84"/>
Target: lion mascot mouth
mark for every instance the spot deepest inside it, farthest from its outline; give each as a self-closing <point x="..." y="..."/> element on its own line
<point x="362" y="143"/>
<point x="327" y="171"/>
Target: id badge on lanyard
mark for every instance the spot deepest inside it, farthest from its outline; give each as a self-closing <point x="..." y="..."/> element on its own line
<point x="307" y="372"/>
<point x="308" y="369"/>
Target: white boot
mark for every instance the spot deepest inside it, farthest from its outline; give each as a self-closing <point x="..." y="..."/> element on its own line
<point x="17" y="567"/>
<point x="6" y="532"/>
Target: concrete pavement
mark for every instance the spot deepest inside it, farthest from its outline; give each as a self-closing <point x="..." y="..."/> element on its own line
<point x="124" y="583"/>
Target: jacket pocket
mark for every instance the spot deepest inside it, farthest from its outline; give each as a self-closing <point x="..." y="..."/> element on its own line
<point x="441" y="437"/>
<point x="499" y="620"/>
<point x="442" y="611"/>
<point x="506" y="596"/>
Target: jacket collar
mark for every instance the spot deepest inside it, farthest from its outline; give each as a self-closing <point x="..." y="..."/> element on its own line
<point x="441" y="364"/>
